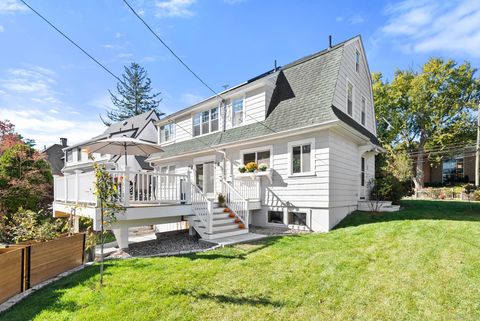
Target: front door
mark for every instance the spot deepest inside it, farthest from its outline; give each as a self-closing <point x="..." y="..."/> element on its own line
<point x="205" y="178"/>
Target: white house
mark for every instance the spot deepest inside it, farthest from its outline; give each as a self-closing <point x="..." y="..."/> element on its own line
<point x="310" y="123"/>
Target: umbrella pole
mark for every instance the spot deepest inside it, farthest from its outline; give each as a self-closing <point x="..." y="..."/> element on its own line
<point x="125" y="148"/>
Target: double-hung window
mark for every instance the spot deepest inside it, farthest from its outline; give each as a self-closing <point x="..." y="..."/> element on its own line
<point x="364" y="108"/>
<point x="69" y="156"/>
<point x="301" y="157"/>
<point x="79" y="154"/>
<point x="167" y="133"/>
<point x="349" y="98"/>
<point x="237" y="112"/>
<point x="205" y="122"/>
<point x="259" y="157"/>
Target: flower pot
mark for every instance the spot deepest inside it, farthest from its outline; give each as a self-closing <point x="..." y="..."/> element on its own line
<point x="226" y="210"/>
<point x="231" y="215"/>
<point x="241" y="225"/>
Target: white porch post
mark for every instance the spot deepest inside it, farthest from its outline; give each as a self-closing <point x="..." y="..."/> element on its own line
<point x="210" y="217"/>
<point x="77" y="185"/>
<point x="188" y="191"/>
<point x="66" y="187"/>
<point x="55" y="186"/>
<point x="121" y="235"/>
<point x="126" y="187"/>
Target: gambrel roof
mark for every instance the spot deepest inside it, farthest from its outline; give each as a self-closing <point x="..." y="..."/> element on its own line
<point x="302" y="97"/>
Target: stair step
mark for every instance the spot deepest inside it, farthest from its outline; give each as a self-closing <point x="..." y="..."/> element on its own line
<point x="220" y="221"/>
<point x="224" y="227"/>
<point x="226" y="233"/>
<point x="218" y="210"/>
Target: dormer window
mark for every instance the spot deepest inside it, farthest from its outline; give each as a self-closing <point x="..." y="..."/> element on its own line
<point x="205" y="122"/>
<point x="237" y="112"/>
<point x="167" y="133"/>
<point x="364" y="109"/>
<point x="79" y="154"/>
<point x="357" y="60"/>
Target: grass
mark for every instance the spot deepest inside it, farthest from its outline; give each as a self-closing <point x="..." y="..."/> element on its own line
<point x="422" y="263"/>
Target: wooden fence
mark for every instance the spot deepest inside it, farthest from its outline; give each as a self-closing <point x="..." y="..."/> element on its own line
<point x="25" y="265"/>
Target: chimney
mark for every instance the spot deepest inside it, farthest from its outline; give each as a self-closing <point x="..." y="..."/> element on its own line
<point x="63" y="141"/>
<point x="330" y="41"/>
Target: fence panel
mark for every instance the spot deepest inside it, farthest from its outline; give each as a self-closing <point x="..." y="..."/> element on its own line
<point x="11" y="272"/>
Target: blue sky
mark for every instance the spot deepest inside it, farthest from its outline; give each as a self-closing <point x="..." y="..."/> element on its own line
<point x="49" y="89"/>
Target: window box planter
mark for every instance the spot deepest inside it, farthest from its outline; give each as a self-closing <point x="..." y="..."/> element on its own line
<point x="254" y="175"/>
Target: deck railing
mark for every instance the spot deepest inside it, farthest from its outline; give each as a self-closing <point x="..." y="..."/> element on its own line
<point x="236" y="202"/>
<point x="202" y="207"/>
<point x="133" y="187"/>
<point x="248" y="188"/>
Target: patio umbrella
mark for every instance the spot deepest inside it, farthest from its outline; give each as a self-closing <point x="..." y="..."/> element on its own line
<point x="122" y="146"/>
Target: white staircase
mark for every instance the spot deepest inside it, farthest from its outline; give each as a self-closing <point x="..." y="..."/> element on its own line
<point x="212" y="221"/>
<point x="379" y="206"/>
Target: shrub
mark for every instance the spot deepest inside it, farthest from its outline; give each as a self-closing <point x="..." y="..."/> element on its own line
<point x="251" y="167"/>
<point x="242" y="169"/>
<point x="388" y="188"/>
<point x="24" y="225"/>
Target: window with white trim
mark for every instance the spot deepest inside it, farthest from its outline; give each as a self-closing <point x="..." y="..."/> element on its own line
<point x="349" y="98"/>
<point x="205" y="122"/>
<point x="362" y="172"/>
<point x="357" y="60"/>
<point x="297" y="218"/>
<point x="364" y="109"/>
<point x="259" y="157"/>
<point x="167" y="133"/>
<point x="237" y="112"/>
<point x="302" y="161"/>
<point x="69" y="156"/>
<point x="79" y="154"/>
<point x="275" y="217"/>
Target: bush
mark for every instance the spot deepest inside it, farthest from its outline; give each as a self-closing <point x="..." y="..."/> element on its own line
<point x="388" y="188"/>
<point x="242" y="169"/>
<point x="262" y="167"/>
<point x="24" y="225"/>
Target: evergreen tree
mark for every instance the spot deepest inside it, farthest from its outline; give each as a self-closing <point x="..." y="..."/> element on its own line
<point x="133" y="95"/>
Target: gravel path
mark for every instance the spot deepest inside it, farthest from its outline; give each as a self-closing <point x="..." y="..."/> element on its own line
<point x="172" y="244"/>
<point x="276" y="230"/>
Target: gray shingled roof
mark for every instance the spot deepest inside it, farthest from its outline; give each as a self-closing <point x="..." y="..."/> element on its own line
<point x="302" y="96"/>
<point x="138" y="122"/>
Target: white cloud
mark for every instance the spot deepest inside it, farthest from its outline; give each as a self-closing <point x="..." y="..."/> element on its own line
<point x="46" y="129"/>
<point x="190" y="99"/>
<point x="356" y="19"/>
<point x="35" y="81"/>
<point x="11" y="6"/>
<point x="430" y="26"/>
<point x="2" y="29"/>
<point x="339" y="19"/>
<point x="174" y="8"/>
<point x="119" y="35"/>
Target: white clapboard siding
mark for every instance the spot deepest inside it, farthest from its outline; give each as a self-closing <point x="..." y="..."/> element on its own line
<point x="344" y="171"/>
<point x="361" y="84"/>
<point x="183" y="129"/>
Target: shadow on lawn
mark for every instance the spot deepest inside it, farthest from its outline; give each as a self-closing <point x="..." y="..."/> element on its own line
<point x="418" y="210"/>
<point x="220" y="298"/>
<point x="241" y="252"/>
<point x="50" y="297"/>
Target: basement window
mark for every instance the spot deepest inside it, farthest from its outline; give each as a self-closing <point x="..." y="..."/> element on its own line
<point x="295" y="218"/>
<point x="275" y="217"/>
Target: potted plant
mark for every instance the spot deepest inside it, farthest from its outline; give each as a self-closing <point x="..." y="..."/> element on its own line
<point x="221" y="200"/>
<point x="262" y="167"/>
<point x="242" y="169"/>
<point x="251" y="167"/>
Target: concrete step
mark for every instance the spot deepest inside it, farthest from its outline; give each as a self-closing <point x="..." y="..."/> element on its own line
<point x="226" y="233"/>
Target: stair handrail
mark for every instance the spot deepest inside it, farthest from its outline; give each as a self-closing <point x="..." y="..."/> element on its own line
<point x="202" y="207"/>
<point x="236" y="202"/>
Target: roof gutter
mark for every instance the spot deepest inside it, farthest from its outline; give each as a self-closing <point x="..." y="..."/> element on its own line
<point x="290" y="132"/>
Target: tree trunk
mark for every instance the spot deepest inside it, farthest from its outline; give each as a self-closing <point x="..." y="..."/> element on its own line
<point x="418" y="180"/>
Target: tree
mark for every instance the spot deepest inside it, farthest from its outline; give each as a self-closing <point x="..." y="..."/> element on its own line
<point x="107" y="195"/>
<point x="427" y="108"/>
<point x="133" y="95"/>
<point x="25" y="180"/>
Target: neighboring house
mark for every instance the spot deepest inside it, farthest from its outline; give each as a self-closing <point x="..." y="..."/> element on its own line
<point x="140" y="127"/>
<point x="55" y="157"/>
<point x="311" y="122"/>
<point x="451" y="170"/>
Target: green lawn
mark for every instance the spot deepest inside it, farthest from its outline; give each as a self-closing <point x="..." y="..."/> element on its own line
<point x="422" y="263"/>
